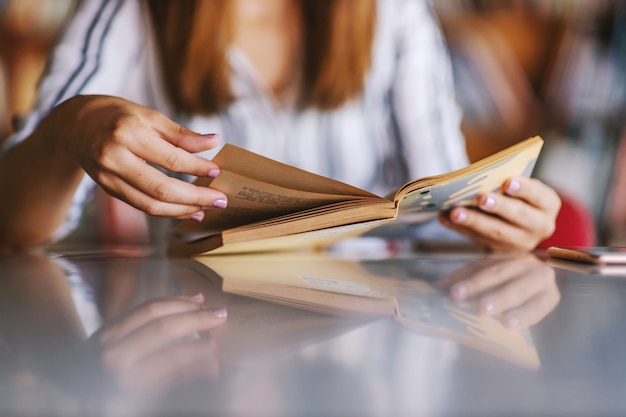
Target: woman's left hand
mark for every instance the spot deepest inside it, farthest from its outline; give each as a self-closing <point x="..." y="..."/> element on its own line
<point x="519" y="218"/>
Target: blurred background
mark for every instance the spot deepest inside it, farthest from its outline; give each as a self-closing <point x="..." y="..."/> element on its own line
<point x="522" y="67"/>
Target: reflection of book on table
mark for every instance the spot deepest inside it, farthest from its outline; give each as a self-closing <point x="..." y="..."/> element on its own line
<point x="255" y="328"/>
<point x="276" y="206"/>
<point x="319" y="282"/>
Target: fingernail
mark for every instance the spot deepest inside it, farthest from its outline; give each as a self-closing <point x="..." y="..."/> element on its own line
<point x="220" y="313"/>
<point x="214" y="172"/>
<point x="198" y="216"/>
<point x="487" y="202"/>
<point x="221" y="203"/>
<point x="459" y="216"/>
<point x="210" y="135"/>
<point x="513" y="186"/>
<point x="487" y="306"/>
<point x="459" y="291"/>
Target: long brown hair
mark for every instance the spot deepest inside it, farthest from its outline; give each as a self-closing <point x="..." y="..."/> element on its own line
<point x="193" y="37"/>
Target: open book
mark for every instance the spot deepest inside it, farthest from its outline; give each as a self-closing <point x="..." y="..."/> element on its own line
<point x="375" y="288"/>
<point x="275" y="206"/>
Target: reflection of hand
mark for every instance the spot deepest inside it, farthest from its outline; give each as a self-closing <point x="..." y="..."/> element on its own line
<point x="158" y="343"/>
<point x="518" y="219"/>
<point x="522" y="289"/>
<point x="112" y="139"/>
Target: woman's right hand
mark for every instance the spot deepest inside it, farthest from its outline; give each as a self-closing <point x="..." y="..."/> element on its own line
<point x="116" y="142"/>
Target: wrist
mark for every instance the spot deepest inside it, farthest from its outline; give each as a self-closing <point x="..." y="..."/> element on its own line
<point x="58" y="132"/>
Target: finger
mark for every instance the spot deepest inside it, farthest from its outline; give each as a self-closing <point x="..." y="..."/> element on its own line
<point x="147" y="312"/>
<point x="182" y="137"/>
<point x="158" y="194"/>
<point x="184" y="361"/>
<point x="512" y="210"/>
<point x="534" y="192"/>
<point x="511" y="294"/>
<point x="538" y="223"/>
<point x="469" y="271"/>
<point x="529" y="206"/>
<point x="164" y="154"/>
<point x="528" y="280"/>
<point x="191" y="141"/>
<point x="447" y="282"/>
<point x="152" y="137"/>
<point x="533" y="311"/>
<point x="488" y="230"/>
<point x="463" y="273"/>
<point x="157" y="334"/>
<point x="487" y="278"/>
<point x="116" y="160"/>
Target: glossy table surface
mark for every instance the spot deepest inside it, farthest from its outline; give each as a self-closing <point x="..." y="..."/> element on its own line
<point x="563" y="352"/>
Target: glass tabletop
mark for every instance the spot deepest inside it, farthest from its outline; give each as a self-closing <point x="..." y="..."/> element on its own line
<point x="100" y="332"/>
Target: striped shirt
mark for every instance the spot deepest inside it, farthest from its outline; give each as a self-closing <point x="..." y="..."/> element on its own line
<point x="405" y="124"/>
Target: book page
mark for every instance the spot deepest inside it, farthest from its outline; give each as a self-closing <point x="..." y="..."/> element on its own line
<point x="251" y="165"/>
<point x="259" y="188"/>
<point x="251" y="200"/>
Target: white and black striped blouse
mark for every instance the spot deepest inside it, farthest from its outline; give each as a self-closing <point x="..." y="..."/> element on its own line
<point x="406" y="124"/>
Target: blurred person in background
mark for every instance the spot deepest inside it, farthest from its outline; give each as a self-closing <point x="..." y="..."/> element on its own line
<point x="135" y="92"/>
